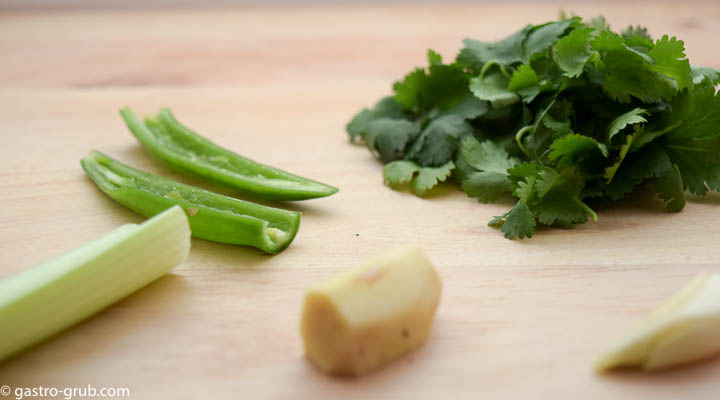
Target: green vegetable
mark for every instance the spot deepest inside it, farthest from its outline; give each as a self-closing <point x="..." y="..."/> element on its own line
<point x="55" y="295"/>
<point x="401" y="172"/>
<point x="212" y="216"/>
<point x="184" y="149"/>
<point x="557" y="115"/>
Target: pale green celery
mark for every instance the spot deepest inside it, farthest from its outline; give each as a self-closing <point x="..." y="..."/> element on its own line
<point x="55" y="295"/>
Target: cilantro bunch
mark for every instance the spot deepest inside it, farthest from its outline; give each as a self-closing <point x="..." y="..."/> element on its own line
<point x="558" y="115"/>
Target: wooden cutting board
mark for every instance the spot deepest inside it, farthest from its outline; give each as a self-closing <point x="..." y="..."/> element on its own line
<point x="518" y="319"/>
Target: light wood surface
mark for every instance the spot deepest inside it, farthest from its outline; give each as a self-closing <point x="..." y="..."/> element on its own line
<point x="517" y="319"/>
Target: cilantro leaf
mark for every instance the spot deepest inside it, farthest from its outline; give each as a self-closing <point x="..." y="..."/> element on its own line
<point x="692" y="145"/>
<point x="359" y="124"/>
<point x="652" y="161"/>
<point x="508" y="51"/>
<point x="643" y="136"/>
<point x="520" y="172"/>
<point x="634" y="116"/>
<point x="486" y="155"/>
<point x="599" y="23"/>
<point x="518" y="223"/>
<point x="628" y="72"/>
<point x="573" y="51"/>
<point x="637" y="31"/>
<point x="523" y="77"/>
<point x="387" y="107"/>
<point x="412" y="90"/>
<point x="561" y="208"/>
<point x="670" y="60"/>
<point x="428" y="177"/>
<point x="486" y="186"/>
<point x="699" y="113"/>
<point x="526" y="189"/>
<point x="491" y="163"/>
<point x="558" y="128"/>
<point x="442" y="86"/>
<point x="637" y="37"/>
<point x="434" y="58"/>
<point x="634" y="142"/>
<point x="398" y="173"/>
<point x="437" y="143"/>
<point x="559" y="198"/>
<point x="493" y="88"/>
<point x="389" y="137"/>
<point x="542" y="37"/>
<point x="576" y="149"/>
<point x="699" y="166"/>
<point x="525" y="82"/>
<point x="547" y="179"/>
<point x="669" y="187"/>
<point x="700" y="74"/>
<point x="470" y="107"/>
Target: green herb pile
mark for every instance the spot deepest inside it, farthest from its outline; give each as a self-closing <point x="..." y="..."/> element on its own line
<point x="559" y="115"/>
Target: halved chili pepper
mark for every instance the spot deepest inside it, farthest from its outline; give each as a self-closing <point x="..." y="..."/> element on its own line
<point x="186" y="150"/>
<point x="212" y="216"/>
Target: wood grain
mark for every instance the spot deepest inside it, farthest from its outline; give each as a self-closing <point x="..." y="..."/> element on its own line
<point x="517" y="319"/>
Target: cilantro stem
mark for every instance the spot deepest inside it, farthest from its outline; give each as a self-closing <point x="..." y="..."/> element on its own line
<point x="585" y="208"/>
<point x="490" y="64"/>
<point x="688" y="148"/>
<point x="539" y="119"/>
<point x="486" y="67"/>
<point x="519" y="138"/>
<point x="505" y="71"/>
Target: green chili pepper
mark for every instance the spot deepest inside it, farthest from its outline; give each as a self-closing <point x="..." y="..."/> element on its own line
<point x="184" y="149"/>
<point x="212" y="216"/>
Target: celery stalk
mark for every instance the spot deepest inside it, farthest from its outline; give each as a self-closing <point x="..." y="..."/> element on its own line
<point x="57" y="294"/>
